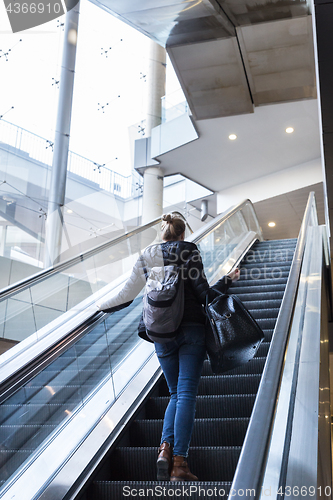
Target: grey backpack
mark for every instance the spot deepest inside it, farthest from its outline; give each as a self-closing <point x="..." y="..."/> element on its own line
<point x="163" y="302"/>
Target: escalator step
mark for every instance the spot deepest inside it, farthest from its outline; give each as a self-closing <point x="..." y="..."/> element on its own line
<point x="10" y="461"/>
<point x="256" y="297"/>
<point x="267" y="303"/>
<point x="263" y="349"/>
<point x="208" y="463"/>
<point x="25" y="437"/>
<point x="118" y="490"/>
<point x="206" y="432"/>
<point x="222" y="384"/>
<point x="251" y="283"/>
<point x="256" y="365"/>
<point x="38" y="414"/>
<point x="266" y="323"/>
<point x="264" y="276"/>
<point x="252" y="288"/>
<point x="264" y="313"/>
<point x="262" y="266"/>
<point x="225" y="406"/>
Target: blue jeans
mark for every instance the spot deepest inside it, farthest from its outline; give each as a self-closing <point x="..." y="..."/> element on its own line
<point x="181" y="361"/>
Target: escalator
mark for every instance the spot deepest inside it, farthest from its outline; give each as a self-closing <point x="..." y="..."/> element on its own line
<point x="82" y="420"/>
<point x="224" y="403"/>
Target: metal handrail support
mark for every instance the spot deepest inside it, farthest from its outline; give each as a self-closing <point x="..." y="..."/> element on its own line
<point x="248" y="475"/>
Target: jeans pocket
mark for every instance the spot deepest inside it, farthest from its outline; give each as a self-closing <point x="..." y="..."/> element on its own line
<point x="161" y="349"/>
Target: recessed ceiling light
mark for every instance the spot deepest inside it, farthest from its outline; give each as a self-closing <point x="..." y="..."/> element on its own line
<point x="232" y="137"/>
<point x="289" y="130"/>
<point x="69" y="211"/>
<point x="271" y="224"/>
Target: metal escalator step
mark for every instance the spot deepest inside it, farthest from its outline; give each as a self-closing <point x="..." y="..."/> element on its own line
<point x="269" y="266"/>
<point x="264" y="313"/>
<point x="60" y="363"/>
<point x="118" y="490"/>
<point x="24" y="437"/>
<point x="246" y="298"/>
<point x="263" y="349"/>
<point x="74" y="376"/>
<point x="255" y="288"/>
<point x="284" y="241"/>
<point x="256" y="365"/>
<point x="209" y="463"/>
<point x="206" y="432"/>
<point x="270" y="255"/>
<point x="229" y="384"/>
<point x="266" y="323"/>
<point x="214" y="406"/>
<point x="222" y="384"/>
<point x="262" y="304"/>
<point x="10" y="461"/>
<point x="262" y="275"/>
<point x="47" y="394"/>
<point x="258" y="283"/>
<point x="36" y="413"/>
<point x="90" y="338"/>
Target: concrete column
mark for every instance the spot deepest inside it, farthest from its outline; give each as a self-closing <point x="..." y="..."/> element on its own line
<point x="155" y="85"/>
<point x="54" y="223"/>
<point x="152" y="203"/>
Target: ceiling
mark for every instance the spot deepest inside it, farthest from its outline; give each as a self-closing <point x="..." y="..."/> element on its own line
<point x="230" y="55"/>
<point x="246" y="68"/>
<point x="262" y="146"/>
<point x="287" y="212"/>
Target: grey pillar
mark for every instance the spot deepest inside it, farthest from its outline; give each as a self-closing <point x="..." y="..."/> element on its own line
<point x="152" y="205"/>
<point x="57" y="192"/>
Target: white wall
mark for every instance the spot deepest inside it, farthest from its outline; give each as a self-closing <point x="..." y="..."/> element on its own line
<point x="271" y="185"/>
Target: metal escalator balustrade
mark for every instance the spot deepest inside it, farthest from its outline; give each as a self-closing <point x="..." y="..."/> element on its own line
<point x="29" y="305"/>
<point x="60" y="407"/>
<point x="33" y="412"/>
<point x="37" y="308"/>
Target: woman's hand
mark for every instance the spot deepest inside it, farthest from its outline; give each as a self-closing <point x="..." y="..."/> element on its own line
<point x="235" y="274"/>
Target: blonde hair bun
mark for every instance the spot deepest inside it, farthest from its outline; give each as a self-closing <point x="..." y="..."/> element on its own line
<point x="173" y="227"/>
<point x="167" y="218"/>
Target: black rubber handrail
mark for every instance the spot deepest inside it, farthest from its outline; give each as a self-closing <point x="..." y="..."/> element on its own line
<point x="248" y="475"/>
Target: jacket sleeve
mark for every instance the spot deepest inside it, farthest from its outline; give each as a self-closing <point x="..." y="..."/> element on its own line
<point x="199" y="283"/>
<point x="130" y="290"/>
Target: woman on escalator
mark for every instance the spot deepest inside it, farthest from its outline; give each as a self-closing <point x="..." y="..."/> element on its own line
<point x="181" y="359"/>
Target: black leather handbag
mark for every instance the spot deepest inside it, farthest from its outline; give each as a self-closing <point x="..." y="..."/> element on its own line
<point x="232" y="335"/>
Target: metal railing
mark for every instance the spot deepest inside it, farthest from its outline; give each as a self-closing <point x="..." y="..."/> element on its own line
<point x="248" y="475"/>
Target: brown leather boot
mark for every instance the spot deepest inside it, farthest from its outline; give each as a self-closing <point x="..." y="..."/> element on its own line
<point x="180" y="470"/>
<point x="164" y="462"/>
